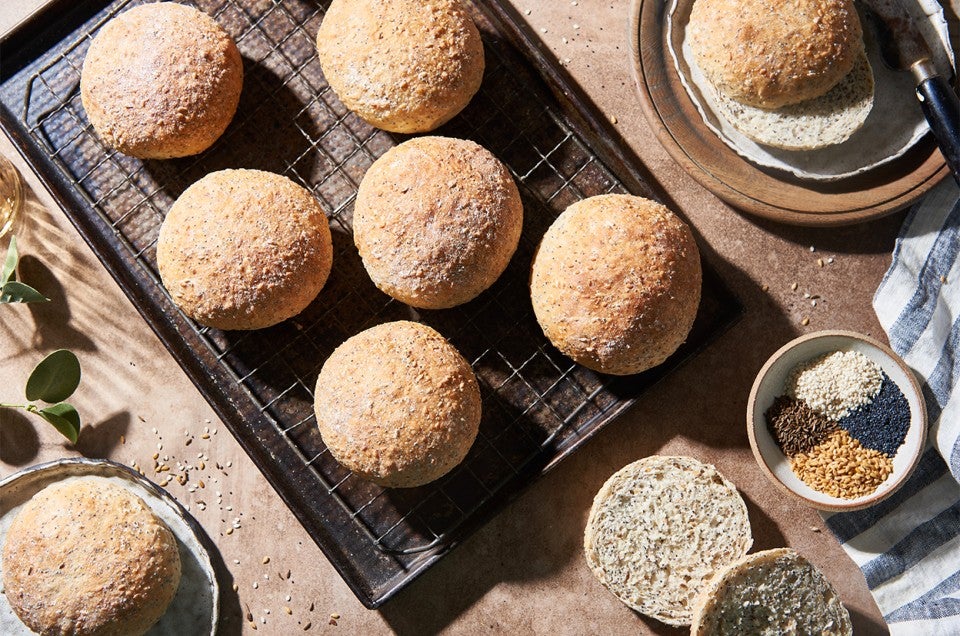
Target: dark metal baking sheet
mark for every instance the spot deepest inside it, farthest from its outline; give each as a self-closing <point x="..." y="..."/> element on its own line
<point x="538" y="405"/>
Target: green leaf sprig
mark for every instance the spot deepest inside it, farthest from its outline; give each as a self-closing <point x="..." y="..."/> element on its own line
<point x="53" y="381"/>
<point x="58" y="375"/>
<point x="12" y="290"/>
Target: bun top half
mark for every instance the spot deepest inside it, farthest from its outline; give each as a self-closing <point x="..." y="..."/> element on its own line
<point x="772" y="53"/>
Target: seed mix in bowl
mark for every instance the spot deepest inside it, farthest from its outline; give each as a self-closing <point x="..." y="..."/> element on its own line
<point x="840" y="421"/>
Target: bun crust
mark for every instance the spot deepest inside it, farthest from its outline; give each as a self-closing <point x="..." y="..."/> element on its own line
<point x="616" y="282"/>
<point x="398" y="405"/>
<point x="659" y="530"/>
<point x="436" y="221"/>
<point x="770" y="593"/>
<point x="244" y="249"/>
<point x="770" y="54"/>
<point x="402" y="65"/>
<point x="161" y="80"/>
<point x="86" y="557"/>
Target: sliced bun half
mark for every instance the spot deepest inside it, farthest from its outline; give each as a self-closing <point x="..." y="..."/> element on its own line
<point x="660" y="528"/>
<point x="770" y="593"/>
<point x="815" y="123"/>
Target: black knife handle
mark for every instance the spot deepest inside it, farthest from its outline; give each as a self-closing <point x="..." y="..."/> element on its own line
<point x="941" y="107"/>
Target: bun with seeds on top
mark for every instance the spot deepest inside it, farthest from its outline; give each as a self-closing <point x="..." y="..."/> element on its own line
<point x="615" y="283"/>
<point x="791" y="75"/>
<point x="85" y="557"/>
<point x="398" y="405"/>
<point x="161" y="80"/>
<point x="405" y="66"/>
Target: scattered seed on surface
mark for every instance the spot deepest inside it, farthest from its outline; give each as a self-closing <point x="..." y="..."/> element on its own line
<point x="805" y="321"/>
<point x="794" y="286"/>
<point x="266" y="560"/>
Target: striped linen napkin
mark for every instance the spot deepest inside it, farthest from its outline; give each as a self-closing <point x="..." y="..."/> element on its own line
<point x="908" y="546"/>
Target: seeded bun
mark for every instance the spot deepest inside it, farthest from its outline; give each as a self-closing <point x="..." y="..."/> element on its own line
<point x="398" y="405"/>
<point x="770" y="593"/>
<point x="771" y="54"/>
<point x="161" y="80"/>
<point x="244" y="249"/>
<point x="436" y="221"/>
<point x="402" y="65"/>
<point x="616" y="283"/>
<point x="86" y="557"/>
<point x="816" y="123"/>
<point x="659" y="530"/>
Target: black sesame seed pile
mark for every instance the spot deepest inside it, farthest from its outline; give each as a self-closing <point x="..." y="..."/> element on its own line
<point x="840" y="421"/>
<point x="882" y="424"/>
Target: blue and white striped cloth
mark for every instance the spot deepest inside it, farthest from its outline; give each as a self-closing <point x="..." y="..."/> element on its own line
<point x="908" y="546"/>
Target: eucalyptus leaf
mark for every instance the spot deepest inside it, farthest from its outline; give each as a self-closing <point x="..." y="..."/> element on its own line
<point x="64" y="418"/>
<point x="55" y="378"/>
<point x="10" y="263"/>
<point x="16" y="292"/>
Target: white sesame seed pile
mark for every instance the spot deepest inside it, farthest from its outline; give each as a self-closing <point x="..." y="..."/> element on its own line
<point x="836" y="383"/>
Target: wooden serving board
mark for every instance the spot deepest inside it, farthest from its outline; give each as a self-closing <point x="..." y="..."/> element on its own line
<point x="768" y="193"/>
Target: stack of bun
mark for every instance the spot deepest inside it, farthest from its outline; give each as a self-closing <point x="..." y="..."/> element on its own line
<point x="792" y="76"/>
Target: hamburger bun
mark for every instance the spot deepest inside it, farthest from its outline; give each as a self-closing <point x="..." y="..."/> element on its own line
<point x="244" y="249"/>
<point x="615" y="283"/>
<point x="398" y="405"/>
<point x="660" y="529"/>
<point x="770" y="54"/>
<point x="436" y="221"/>
<point x="86" y="557"/>
<point x="772" y="592"/>
<point x="161" y="80"/>
<point x="405" y="66"/>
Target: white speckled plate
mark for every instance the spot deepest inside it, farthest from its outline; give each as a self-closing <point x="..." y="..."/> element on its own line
<point x="195" y="608"/>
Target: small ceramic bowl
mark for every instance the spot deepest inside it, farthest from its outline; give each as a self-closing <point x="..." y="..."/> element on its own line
<point x="770" y="384"/>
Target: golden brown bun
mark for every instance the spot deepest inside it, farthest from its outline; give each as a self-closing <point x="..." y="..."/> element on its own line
<point x="436" y="221"/>
<point x="770" y="54"/>
<point x="402" y="65"/>
<point x="616" y="283"/>
<point x="86" y="557"/>
<point x="244" y="249"/>
<point x="161" y="80"/>
<point x="398" y="405"/>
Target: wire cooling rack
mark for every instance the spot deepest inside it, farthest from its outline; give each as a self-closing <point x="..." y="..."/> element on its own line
<point x="538" y="406"/>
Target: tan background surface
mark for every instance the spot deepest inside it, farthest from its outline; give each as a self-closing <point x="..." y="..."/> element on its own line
<point x="523" y="572"/>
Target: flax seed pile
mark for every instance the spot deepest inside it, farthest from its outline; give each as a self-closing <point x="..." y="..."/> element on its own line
<point x="840" y="421"/>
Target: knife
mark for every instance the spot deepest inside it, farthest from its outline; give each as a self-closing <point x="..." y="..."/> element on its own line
<point x="902" y="47"/>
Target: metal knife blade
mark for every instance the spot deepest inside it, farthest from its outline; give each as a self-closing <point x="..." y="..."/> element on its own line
<point x="901" y="43"/>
